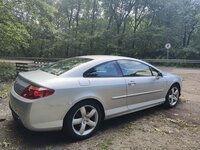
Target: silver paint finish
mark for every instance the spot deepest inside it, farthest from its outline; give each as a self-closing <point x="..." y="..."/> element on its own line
<point x="117" y="95"/>
<point x="137" y="94"/>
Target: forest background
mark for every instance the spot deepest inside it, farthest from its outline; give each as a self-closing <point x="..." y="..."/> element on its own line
<point x="66" y="28"/>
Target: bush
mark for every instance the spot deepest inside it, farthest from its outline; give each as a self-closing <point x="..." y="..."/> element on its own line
<point x="172" y="64"/>
<point x="7" y="71"/>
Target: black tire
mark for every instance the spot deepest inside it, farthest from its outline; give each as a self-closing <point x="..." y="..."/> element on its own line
<point x="14" y="117"/>
<point x="172" y="96"/>
<point x="71" y="130"/>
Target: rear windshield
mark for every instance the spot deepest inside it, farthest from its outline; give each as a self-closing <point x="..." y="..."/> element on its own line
<point x="64" y="65"/>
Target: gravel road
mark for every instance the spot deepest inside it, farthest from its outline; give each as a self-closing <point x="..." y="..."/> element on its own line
<point x="155" y="128"/>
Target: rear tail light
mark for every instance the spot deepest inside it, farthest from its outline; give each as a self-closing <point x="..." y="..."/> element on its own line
<point x="34" y="92"/>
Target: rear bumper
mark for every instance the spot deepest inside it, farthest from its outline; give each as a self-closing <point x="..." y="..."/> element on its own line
<point x="20" y="110"/>
<point x="34" y="115"/>
<point x="16" y="117"/>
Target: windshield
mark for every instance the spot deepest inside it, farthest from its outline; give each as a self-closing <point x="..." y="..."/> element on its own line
<point x="64" y="65"/>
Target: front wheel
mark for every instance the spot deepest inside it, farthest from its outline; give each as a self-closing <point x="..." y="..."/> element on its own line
<point x="172" y="97"/>
<point x="82" y="120"/>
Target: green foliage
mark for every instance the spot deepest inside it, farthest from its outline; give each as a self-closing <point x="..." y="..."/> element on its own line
<point x="4" y="93"/>
<point x="106" y="143"/>
<point x="13" y="34"/>
<point x="185" y="53"/>
<point x="64" y="28"/>
<point x="7" y="71"/>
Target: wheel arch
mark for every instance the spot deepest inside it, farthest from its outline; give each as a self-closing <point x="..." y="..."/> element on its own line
<point x="88" y="99"/>
<point x="178" y="85"/>
<point x="67" y="126"/>
<point x="166" y="104"/>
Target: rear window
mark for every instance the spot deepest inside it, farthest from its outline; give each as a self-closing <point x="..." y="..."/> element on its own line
<point x="64" y="65"/>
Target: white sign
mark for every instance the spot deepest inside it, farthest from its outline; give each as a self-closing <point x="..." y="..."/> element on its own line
<point x="168" y="46"/>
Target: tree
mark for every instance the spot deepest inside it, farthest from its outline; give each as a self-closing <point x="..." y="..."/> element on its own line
<point x="14" y="35"/>
<point x="65" y="28"/>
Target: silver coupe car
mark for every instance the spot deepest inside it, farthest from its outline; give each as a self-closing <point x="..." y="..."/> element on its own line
<point x="76" y="94"/>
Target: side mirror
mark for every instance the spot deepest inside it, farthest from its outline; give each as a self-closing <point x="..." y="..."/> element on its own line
<point x="159" y="75"/>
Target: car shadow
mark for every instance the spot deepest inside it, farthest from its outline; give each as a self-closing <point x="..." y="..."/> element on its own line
<point x="28" y="139"/>
<point x="132" y="117"/>
<point x="32" y="139"/>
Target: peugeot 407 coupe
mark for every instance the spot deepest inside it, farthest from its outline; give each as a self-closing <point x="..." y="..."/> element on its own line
<point x="76" y="94"/>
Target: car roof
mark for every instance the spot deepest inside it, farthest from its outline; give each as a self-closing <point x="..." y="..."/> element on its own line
<point x="106" y="57"/>
<point x="96" y="60"/>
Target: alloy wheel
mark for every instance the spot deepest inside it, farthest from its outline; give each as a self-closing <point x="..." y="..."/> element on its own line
<point x="85" y="120"/>
<point x="173" y="96"/>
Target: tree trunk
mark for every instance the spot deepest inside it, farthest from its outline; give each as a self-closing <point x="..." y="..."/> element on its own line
<point x="190" y="34"/>
<point x="184" y="37"/>
<point x="77" y="16"/>
<point x="92" y="27"/>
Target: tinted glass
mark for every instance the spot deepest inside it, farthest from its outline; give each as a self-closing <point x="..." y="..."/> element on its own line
<point x="104" y="70"/>
<point x="154" y="72"/>
<point x="134" y="68"/>
<point x="64" y="65"/>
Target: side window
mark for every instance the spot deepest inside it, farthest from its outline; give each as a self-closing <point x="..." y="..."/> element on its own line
<point x="154" y="72"/>
<point x="108" y="69"/>
<point x="134" y="68"/>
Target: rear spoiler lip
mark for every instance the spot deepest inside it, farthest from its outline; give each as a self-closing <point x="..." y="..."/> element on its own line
<point x="29" y="81"/>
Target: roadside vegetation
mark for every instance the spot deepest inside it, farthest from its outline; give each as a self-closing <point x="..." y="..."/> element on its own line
<point x="4" y="89"/>
<point x="7" y="72"/>
<point x="64" y="28"/>
<point x="7" y="75"/>
<point x="178" y="64"/>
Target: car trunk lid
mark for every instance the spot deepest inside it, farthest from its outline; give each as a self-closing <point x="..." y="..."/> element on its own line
<point x="37" y="77"/>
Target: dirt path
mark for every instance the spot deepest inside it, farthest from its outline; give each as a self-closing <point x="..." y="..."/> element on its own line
<point x="155" y="128"/>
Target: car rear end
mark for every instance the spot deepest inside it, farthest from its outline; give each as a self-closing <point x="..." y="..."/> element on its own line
<point x="40" y="99"/>
<point x="28" y="101"/>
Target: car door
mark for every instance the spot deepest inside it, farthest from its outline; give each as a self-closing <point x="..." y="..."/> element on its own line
<point x="107" y="83"/>
<point x="144" y="85"/>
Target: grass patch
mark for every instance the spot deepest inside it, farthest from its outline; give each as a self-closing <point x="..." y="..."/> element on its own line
<point x="105" y="145"/>
<point x="7" y="71"/>
<point x="127" y="128"/>
<point x="4" y="90"/>
<point x="183" y="124"/>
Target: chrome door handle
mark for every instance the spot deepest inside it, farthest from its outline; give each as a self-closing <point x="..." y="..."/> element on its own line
<point x="131" y="83"/>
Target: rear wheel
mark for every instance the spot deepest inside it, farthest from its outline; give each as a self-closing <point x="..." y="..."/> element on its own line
<point x="82" y="120"/>
<point x="172" y="96"/>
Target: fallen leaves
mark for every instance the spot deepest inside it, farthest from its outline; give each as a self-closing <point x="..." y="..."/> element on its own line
<point x="173" y="120"/>
<point x="176" y="114"/>
<point x="2" y="119"/>
<point x="5" y="144"/>
<point x="157" y="129"/>
<point x="164" y="130"/>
